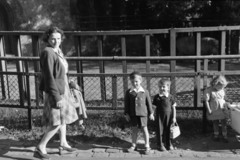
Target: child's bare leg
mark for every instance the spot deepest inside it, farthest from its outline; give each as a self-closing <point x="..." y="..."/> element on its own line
<point x="215" y="128"/>
<point x="134" y="135"/>
<point x="80" y="121"/>
<point x="146" y="136"/>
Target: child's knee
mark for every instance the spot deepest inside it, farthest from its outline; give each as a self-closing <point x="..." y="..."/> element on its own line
<point x="145" y="129"/>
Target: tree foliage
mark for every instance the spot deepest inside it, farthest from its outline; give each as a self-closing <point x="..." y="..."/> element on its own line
<point x="149" y="14"/>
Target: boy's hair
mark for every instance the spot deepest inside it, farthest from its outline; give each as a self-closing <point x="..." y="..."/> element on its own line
<point x="219" y="79"/>
<point x="165" y="81"/>
<point x="134" y="74"/>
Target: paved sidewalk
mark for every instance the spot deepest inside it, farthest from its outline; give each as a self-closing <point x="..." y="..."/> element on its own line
<point x="203" y="149"/>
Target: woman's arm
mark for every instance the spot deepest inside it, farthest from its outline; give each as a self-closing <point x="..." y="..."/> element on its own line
<point x="47" y="60"/>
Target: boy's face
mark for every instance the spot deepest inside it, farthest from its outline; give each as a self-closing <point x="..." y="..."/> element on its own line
<point x="163" y="88"/>
<point x="136" y="82"/>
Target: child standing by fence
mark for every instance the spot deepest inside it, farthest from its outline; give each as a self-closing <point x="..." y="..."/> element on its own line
<point x="216" y="106"/>
<point x="76" y="90"/>
<point x="165" y="114"/>
<point x="137" y="109"/>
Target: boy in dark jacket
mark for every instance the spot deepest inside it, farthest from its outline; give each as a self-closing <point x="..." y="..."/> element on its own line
<point x="138" y="108"/>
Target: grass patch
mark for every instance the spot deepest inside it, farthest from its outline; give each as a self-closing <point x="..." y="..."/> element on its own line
<point x="102" y="126"/>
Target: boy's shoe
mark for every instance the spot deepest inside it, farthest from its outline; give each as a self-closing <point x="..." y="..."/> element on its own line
<point x="162" y="148"/>
<point x="147" y="150"/>
<point x="132" y="149"/>
<point x="215" y="139"/>
<point x="225" y="140"/>
<point x="170" y="148"/>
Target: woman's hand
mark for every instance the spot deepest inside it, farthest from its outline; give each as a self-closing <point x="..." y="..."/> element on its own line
<point x="127" y="117"/>
<point x="60" y="104"/>
<point x="151" y="117"/>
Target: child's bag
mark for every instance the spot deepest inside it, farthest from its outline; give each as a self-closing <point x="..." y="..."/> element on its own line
<point x="174" y="131"/>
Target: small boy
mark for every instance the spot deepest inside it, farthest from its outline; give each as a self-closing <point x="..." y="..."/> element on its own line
<point x="165" y="114"/>
<point x="137" y="109"/>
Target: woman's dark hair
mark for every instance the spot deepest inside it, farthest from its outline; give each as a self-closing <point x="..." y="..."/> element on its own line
<point x="51" y="30"/>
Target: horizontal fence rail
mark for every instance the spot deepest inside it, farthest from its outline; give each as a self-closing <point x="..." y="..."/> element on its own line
<point x="138" y="58"/>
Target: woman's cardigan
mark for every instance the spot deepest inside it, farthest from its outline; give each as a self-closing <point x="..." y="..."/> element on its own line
<point x="53" y="74"/>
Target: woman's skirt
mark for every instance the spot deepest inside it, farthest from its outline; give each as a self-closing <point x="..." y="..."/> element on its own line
<point x="53" y="116"/>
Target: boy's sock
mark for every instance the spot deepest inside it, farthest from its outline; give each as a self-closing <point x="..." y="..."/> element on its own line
<point x="147" y="145"/>
<point x="224" y="134"/>
<point x="134" y="145"/>
<point x="225" y="138"/>
<point x="216" y="138"/>
<point x="216" y="134"/>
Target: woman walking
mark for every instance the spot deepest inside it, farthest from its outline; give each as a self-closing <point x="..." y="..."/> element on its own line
<point x="59" y="109"/>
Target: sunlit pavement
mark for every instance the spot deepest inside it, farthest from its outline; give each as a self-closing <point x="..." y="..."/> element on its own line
<point x="22" y="150"/>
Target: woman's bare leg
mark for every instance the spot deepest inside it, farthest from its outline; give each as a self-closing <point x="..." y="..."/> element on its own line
<point x="63" y="136"/>
<point x="50" y="132"/>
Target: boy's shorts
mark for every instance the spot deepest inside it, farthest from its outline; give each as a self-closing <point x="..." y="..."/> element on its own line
<point x="138" y="121"/>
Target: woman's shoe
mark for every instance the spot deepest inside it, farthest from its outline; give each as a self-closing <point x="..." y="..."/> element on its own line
<point x="38" y="154"/>
<point x="147" y="150"/>
<point x="162" y="148"/>
<point x="62" y="148"/>
<point x="170" y="148"/>
<point x="132" y="149"/>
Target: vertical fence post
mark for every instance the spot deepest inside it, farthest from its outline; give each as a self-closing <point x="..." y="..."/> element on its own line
<point x="148" y="69"/>
<point x="19" y="64"/>
<point x="114" y="91"/>
<point x="205" y="81"/>
<point x="173" y="62"/>
<point x="77" y="40"/>
<point x="3" y="67"/>
<point x="28" y="96"/>
<point x="101" y="69"/>
<point x="221" y="66"/>
<point x="37" y="76"/>
<point x="238" y="40"/>
<point x="36" y="53"/>
<point x="21" y="91"/>
<point x="229" y="41"/>
<point x="124" y="64"/>
<point x="197" y="94"/>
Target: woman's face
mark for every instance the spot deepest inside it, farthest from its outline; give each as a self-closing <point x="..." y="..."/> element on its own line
<point x="55" y="40"/>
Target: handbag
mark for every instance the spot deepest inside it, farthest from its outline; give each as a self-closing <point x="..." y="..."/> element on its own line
<point x="174" y="131"/>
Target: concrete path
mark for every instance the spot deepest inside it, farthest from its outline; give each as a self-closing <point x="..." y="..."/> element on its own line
<point x="207" y="149"/>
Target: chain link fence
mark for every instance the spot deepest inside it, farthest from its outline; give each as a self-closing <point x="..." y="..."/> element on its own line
<point x="233" y="88"/>
<point x="107" y="91"/>
<point x="99" y="93"/>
